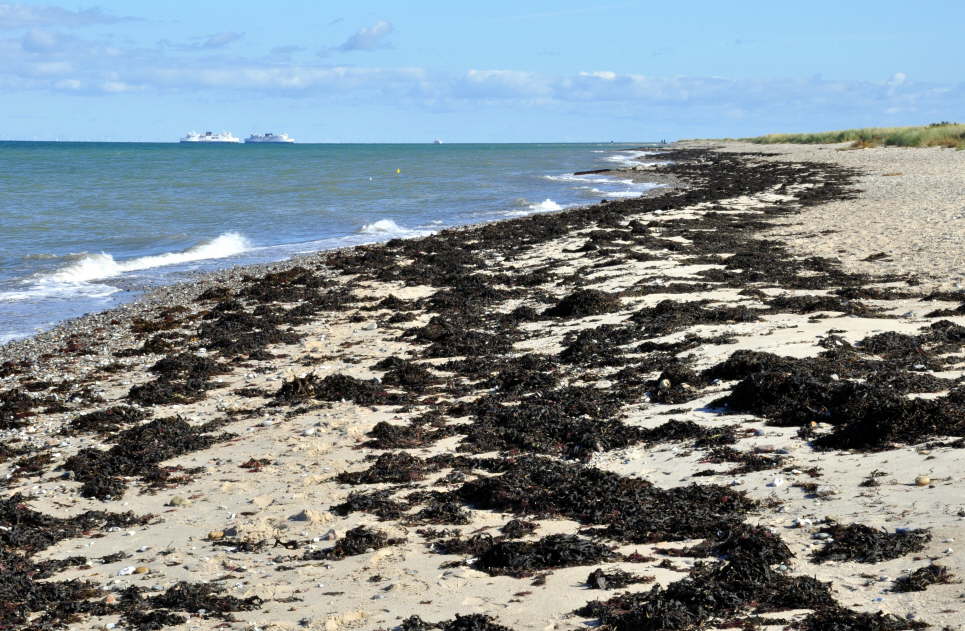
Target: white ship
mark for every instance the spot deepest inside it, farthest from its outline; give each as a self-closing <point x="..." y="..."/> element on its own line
<point x="269" y="137"/>
<point x="208" y="136"/>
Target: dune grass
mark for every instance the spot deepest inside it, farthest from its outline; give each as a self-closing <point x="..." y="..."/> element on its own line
<point x="935" y="135"/>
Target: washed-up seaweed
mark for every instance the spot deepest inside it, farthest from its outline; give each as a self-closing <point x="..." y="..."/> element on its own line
<point x="356" y="541"/>
<point x="397" y="468"/>
<point x="569" y="422"/>
<point x="200" y="599"/>
<point x="468" y="622"/>
<point x="669" y="316"/>
<point x="378" y="503"/>
<point x="864" y="544"/>
<point x="749" y="461"/>
<point x="811" y="303"/>
<point x="388" y="436"/>
<point x="599" y="346"/>
<point x="584" y="302"/>
<point x="839" y="618"/>
<point x="518" y="528"/>
<point x="526" y="373"/>
<point x="441" y="511"/>
<point x="614" y="579"/>
<point x="524" y="558"/>
<point x="23" y="589"/>
<point x="337" y="387"/>
<point x="106" y="420"/>
<point x="137" y="452"/>
<point x="629" y="509"/>
<point x="710" y="591"/>
<point x="409" y="376"/>
<point x="30" y="531"/>
<point x="674" y="430"/>
<point x="920" y="579"/>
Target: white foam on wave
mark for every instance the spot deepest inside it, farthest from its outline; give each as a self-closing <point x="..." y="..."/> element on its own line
<point x="103" y="265"/>
<point x="383" y="227"/>
<point x="616" y="194"/>
<point x="545" y="206"/>
<point x="525" y="207"/>
<point x="627" y="157"/>
<point x="76" y="279"/>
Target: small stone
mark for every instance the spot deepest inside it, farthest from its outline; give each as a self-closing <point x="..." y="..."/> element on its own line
<point x="126" y="571"/>
<point x="214" y="535"/>
<point x="664" y="384"/>
<point x="776" y="482"/>
<point x="922" y="480"/>
<point x="177" y="500"/>
<point x="308" y="515"/>
<point x="371" y="326"/>
<point x="331" y="535"/>
<point x="142" y="569"/>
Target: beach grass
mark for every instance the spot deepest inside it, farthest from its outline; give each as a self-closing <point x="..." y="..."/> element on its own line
<point x="942" y="134"/>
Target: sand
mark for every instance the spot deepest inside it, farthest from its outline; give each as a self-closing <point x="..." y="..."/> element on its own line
<point x="911" y="207"/>
<point x="911" y="217"/>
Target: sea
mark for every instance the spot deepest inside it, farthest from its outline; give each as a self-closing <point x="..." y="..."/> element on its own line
<point x="88" y="226"/>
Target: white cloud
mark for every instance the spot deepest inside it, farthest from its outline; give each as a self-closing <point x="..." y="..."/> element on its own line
<point x="368" y="38"/>
<point x="220" y="40"/>
<point x="39" y="41"/>
<point x="43" y="60"/>
<point x="16" y="16"/>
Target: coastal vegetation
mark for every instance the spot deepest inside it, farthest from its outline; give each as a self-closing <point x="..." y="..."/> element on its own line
<point x="943" y="134"/>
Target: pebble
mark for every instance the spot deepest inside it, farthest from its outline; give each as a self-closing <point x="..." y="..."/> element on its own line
<point x="177" y="500"/>
<point x="142" y="569"/>
<point x="126" y="571"/>
<point x="308" y="515"/>
<point x="214" y="535"/>
<point x="776" y="482"/>
<point x="371" y="326"/>
<point x="922" y="480"/>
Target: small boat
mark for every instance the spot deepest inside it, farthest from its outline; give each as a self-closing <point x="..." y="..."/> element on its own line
<point x="209" y="137"/>
<point x="269" y="137"/>
<point x="437" y="142"/>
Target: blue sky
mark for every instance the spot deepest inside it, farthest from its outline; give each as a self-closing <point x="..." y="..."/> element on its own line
<point x="475" y="72"/>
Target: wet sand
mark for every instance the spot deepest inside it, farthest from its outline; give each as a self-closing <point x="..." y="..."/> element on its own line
<point x="659" y="386"/>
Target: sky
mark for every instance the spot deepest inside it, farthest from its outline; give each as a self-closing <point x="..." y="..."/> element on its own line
<point x="496" y="71"/>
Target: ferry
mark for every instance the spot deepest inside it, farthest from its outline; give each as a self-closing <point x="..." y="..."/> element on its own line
<point x="269" y="137"/>
<point x="208" y="136"/>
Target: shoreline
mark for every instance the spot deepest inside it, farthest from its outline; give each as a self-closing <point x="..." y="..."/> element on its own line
<point x="470" y="423"/>
<point x="196" y="282"/>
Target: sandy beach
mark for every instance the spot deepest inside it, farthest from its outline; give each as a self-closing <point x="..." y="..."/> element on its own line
<point x="735" y="403"/>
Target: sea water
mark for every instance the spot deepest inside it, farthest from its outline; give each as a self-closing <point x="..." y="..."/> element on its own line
<point x="87" y="226"/>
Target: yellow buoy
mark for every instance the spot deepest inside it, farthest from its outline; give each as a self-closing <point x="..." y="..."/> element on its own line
<point x="398" y="171"/>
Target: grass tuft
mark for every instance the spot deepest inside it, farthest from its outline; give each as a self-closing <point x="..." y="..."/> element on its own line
<point x="943" y="134"/>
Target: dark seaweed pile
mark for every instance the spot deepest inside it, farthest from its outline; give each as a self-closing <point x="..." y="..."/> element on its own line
<point x="23" y="590"/>
<point x="630" y="510"/>
<point x="920" y="579"/>
<point x="614" y="579"/>
<point x="469" y="622"/>
<point x="356" y="541"/>
<point x="138" y="452"/>
<point x="542" y="413"/>
<point x="857" y="542"/>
